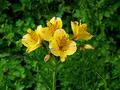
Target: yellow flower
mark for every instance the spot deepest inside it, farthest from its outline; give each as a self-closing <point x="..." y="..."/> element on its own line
<point x="61" y="46"/>
<point x="80" y="31"/>
<point x="52" y="25"/>
<point x="32" y="39"/>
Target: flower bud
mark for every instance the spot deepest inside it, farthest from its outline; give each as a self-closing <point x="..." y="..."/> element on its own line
<point x="88" y="46"/>
<point x="47" y="57"/>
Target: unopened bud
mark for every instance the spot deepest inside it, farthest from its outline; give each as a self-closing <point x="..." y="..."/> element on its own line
<point x="88" y="46"/>
<point x="47" y="57"/>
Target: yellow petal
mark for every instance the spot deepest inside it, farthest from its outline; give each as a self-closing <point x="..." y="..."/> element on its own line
<point x="32" y="34"/>
<point x="83" y="27"/>
<point x="63" y="56"/>
<point x="75" y="27"/>
<point x="60" y="33"/>
<point x="71" y="48"/>
<point x="51" y="27"/>
<point x="38" y="30"/>
<point x="32" y="48"/>
<point x="84" y="35"/>
<point x="54" y="47"/>
<point x="46" y="34"/>
<point x="56" y="22"/>
<point x="88" y="46"/>
<point x="25" y="39"/>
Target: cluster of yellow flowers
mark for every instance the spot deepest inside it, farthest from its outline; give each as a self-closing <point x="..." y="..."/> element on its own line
<point x="59" y="42"/>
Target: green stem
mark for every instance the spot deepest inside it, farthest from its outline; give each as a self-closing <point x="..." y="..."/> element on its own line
<point x="54" y="73"/>
<point x="105" y="83"/>
<point x="54" y="80"/>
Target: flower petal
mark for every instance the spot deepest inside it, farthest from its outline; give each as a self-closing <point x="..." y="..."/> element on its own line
<point x="54" y="48"/>
<point x="75" y="27"/>
<point x="71" y="48"/>
<point x="56" y="22"/>
<point x="32" y="48"/>
<point x="32" y="34"/>
<point x="84" y="35"/>
<point x="63" y="56"/>
<point x="60" y="33"/>
<point x="83" y="27"/>
<point x="46" y="34"/>
<point x="38" y="30"/>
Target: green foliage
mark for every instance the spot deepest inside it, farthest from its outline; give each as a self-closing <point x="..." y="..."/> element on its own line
<point x="98" y="69"/>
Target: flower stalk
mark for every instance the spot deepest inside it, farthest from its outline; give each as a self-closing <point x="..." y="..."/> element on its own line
<point x="54" y="80"/>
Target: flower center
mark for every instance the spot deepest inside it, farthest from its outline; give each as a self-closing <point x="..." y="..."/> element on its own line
<point x="63" y="43"/>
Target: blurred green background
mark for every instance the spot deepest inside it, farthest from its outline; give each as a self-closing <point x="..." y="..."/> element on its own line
<point x="97" y="69"/>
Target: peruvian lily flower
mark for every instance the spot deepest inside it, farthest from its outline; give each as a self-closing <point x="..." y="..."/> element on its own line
<point x="32" y="39"/>
<point x="80" y="31"/>
<point x="60" y="45"/>
<point x="52" y="25"/>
